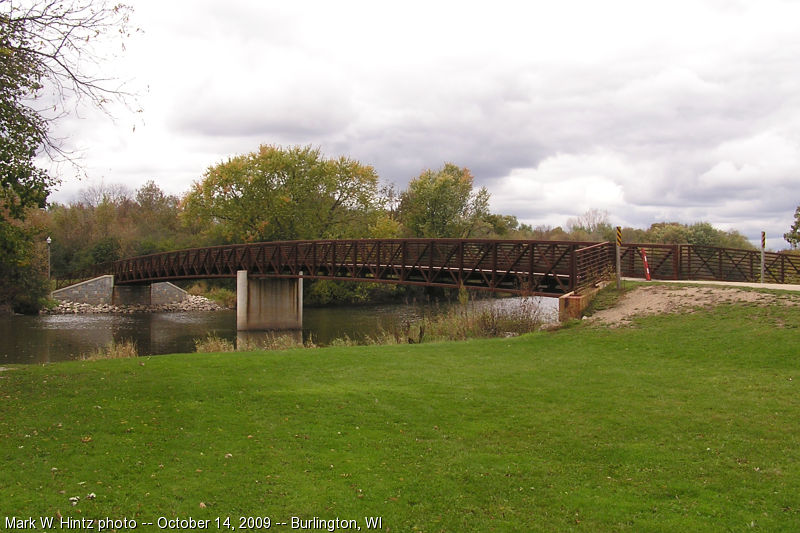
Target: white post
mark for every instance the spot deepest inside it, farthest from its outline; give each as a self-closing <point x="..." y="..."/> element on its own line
<point x="241" y="299"/>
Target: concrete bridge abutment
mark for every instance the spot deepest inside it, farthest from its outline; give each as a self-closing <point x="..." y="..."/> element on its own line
<point x="102" y="291"/>
<point x="268" y="303"/>
<point x="131" y="295"/>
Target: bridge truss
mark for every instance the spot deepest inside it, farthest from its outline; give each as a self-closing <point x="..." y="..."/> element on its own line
<point x="520" y="267"/>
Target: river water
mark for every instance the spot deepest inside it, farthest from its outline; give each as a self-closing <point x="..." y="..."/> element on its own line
<point x="50" y="338"/>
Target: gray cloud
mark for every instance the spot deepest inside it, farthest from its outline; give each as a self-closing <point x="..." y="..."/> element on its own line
<point x="682" y="113"/>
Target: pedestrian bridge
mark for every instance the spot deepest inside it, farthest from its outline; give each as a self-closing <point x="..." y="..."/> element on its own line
<point x="269" y="274"/>
<point x="521" y="267"/>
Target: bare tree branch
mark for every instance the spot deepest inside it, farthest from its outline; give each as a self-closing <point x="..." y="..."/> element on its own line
<point x="60" y="41"/>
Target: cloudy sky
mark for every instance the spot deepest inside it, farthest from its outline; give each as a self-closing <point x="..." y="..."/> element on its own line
<point x="679" y="111"/>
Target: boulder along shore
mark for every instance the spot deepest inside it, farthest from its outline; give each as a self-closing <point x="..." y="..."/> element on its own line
<point x="191" y="303"/>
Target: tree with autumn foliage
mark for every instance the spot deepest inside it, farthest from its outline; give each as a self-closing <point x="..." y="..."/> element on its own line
<point x="443" y="203"/>
<point x="280" y="193"/>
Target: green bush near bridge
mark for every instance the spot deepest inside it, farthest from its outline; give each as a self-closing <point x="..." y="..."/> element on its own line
<point x="688" y="422"/>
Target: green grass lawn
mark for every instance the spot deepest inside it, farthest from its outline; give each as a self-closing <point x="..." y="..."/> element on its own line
<point x="680" y="423"/>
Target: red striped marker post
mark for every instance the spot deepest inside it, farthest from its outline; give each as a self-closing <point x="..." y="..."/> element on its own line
<point x="644" y="262"/>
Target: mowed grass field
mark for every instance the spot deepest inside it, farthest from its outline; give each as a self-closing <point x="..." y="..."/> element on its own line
<point x="687" y="422"/>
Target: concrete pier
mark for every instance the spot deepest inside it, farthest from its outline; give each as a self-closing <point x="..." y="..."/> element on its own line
<point x="267" y="304"/>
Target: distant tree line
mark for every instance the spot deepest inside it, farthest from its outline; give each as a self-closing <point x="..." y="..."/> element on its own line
<point x="278" y="193"/>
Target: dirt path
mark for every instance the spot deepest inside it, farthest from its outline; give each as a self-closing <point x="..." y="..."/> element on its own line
<point x="662" y="299"/>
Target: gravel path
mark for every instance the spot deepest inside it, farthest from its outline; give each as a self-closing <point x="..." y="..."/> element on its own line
<point x="663" y="299"/>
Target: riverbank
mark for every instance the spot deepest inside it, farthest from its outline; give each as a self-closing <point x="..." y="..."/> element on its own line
<point x="191" y="303"/>
<point x="687" y="421"/>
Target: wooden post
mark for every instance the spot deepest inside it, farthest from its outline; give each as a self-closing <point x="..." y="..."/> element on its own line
<point x="573" y="269"/>
<point x="531" y="266"/>
<point x="619" y="261"/>
<point x="676" y="261"/>
<point x="494" y="265"/>
<point x="460" y="263"/>
<point x="763" y="248"/>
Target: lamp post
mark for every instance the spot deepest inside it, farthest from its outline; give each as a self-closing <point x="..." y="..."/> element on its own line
<point x="49" y="240"/>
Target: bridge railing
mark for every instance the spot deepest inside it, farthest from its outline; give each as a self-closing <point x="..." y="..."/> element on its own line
<point x="782" y="268"/>
<point x="592" y="264"/>
<point x="663" y="260"/>
<point x="84" y="274"/>
<point x="728" y="264"/>
<point x="693" y="262"/>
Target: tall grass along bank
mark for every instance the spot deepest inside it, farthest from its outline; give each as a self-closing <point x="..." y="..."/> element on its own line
<point x="481" y="319"/>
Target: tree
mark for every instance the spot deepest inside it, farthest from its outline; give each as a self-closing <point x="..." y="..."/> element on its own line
<point x="102" y="226"/>
<point x="155" y="215"/>
<point x="45" y="47"/>
<point x="281" y="194"/>
<point x="793" y="235"/>
<point x="501" y="226"/>
<point x="703" y="234"/>
<point x="23" y="130"/>
<point x="667" y="233"/>
<point x="442" y="203"/>
<point x="593" y="222"/>
<point x="109" y="221"/>
<point x="104" y="193"/>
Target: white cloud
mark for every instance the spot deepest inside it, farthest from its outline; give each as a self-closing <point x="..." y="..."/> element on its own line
<point x="563" y="185"/>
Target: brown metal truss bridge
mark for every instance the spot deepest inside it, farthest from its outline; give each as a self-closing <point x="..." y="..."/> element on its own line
<point x="543" y="268"/>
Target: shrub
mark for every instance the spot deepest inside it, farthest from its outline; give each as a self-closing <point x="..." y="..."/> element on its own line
<point x="221" y="295"/>
<point x="272" y="341"/>
<point x="212" y="343"/>
<point x="113" y="350"/>
<point x="481" y="319"/>
<point x="198" y="288"/>
<point x="224" y="297"/>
